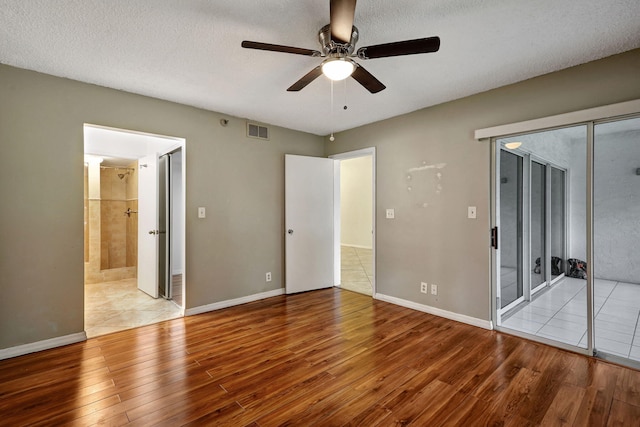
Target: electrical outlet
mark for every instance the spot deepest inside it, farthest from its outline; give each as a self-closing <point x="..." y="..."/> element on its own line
<point x="434" y="289"/>
<point x="268" y="276"/>
<point x="423" y="287"/>
<point x="391" y="213"/>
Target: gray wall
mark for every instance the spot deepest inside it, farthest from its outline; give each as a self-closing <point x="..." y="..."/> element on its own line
<point x="436" y="243"/>
<point x="617" y="205"/>
<point x="241" y="183"/>
<point x="239" y="180"/>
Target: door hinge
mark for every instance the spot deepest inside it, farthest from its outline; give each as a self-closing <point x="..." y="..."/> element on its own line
<point x="494" y="238"/>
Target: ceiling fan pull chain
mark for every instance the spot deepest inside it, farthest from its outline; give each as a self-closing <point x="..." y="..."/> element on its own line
<point x="345" y="94"/>
<point x="331" y="138"/>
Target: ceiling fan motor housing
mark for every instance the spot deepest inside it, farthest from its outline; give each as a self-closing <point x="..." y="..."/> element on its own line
<point x="336" y="49"/>
<point x="338" y="43"/>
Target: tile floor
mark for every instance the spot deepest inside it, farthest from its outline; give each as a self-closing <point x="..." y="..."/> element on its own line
<point x="118" y="305"/>
<point x="560" y="314"/>
<point x="176" y="289"/>
<point x="509" y="283"/>
<point x="356" y="269"/>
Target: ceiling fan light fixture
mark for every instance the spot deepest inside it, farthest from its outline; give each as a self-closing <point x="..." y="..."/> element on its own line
<point x="513" y="145"/>
<point x="338" y="68"/>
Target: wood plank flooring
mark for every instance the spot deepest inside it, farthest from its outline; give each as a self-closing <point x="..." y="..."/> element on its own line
<point x="324" y="358"/>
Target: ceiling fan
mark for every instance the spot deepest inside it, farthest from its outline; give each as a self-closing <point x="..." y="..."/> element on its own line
<point x="338" y="40"/>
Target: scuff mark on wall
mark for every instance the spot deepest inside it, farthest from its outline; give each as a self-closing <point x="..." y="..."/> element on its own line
<point x="427" y="181"/>
<point x="425" y="167"/>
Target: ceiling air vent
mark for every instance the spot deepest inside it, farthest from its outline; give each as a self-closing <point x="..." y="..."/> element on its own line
<point x="257" y="131"/>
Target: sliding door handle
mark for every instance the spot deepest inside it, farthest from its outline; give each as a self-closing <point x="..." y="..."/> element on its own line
<point x="494" y="238"/>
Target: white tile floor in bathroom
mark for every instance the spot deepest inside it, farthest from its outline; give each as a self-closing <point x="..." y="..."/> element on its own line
<point x="118" y="305"/>
<point x="560" y="314"/>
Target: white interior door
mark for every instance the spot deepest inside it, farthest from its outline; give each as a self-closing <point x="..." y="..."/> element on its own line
<point x="309" y="249"/>
<point x="148" y="225"/>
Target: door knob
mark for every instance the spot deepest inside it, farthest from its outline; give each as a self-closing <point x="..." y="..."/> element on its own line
<point x="152" y="232"/>
<point x="290" y="231"/>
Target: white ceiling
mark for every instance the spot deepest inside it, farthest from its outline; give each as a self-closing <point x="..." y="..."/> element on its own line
<point x="119" y="148"/>
<point x="189" y="51"/>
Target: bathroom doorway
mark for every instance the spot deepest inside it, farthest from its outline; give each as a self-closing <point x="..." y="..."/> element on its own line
<point x="118" y="244"/>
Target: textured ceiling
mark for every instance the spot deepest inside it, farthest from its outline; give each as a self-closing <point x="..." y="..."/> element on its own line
<point x="189" y="51"/>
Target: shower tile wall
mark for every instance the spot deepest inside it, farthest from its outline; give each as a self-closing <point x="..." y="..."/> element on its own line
<point x="113" y="221"/>
<point x="132" y="221"/>
<point x="112" y="235"/>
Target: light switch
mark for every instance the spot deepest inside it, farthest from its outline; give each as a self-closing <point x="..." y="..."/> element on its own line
<point x="202" y="212"/>
<point x="391" y="213"/>
<point x="471" y="212"/>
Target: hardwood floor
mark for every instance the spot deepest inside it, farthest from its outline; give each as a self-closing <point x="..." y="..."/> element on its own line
<point x="324" y="358"/>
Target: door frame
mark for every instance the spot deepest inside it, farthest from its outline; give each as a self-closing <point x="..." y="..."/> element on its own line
<point x="177" y="143"/>
<point x="364" y="152"/>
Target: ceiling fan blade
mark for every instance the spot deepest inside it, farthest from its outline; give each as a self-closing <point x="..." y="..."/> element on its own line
<point x="306" y="79"/>
<point x="279" y="48"/>
<point x="407" y="47"/>
<point x="367" y="80"/>
<point x="342" y="12"/>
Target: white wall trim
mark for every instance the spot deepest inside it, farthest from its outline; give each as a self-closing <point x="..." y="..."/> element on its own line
<point x="337" y="224"/>
<point x="369" y="151"/>
<point x="485" y="324"/>
<point x="33" y="347"/>
<point x="559" y="120"/>
<point x="230" y="303"/>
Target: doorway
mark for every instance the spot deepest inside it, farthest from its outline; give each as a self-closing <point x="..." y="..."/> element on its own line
<point x="540" y="185"/>
<point x="119" y="242"/>
<point x="356" y="237"/>
<point x="569" y="231"/>
<point x="313" y="222"/>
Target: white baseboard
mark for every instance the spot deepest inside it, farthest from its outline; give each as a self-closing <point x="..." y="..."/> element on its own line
<point x="474" y="321"/>
<point x="232" y="302"/>
<point x="33" y="347"/>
